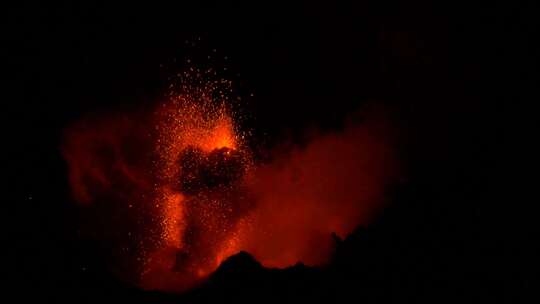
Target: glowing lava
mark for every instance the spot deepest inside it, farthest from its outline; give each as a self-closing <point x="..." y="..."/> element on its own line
<point x="200" y="167"/>
<point x="176" y="192"/>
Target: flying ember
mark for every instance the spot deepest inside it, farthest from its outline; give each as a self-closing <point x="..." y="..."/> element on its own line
<point x="175" y="191"/>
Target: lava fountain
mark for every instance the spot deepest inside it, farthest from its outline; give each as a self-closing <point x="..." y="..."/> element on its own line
<point x="174" y="192"/>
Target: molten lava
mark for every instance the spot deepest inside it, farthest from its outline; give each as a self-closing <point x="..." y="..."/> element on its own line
<point x="176" y="192"/>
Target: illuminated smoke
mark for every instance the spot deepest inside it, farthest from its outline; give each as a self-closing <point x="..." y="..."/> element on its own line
<point x="331" y="185"/>
<point x="177" y="191"/>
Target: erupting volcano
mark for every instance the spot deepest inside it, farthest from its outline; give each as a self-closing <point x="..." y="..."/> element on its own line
<point x="175" y="192"/>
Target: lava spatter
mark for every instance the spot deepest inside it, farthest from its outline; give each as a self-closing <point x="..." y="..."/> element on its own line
<point x="175" y="191"/>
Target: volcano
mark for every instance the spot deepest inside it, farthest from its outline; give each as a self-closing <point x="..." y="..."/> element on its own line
<point x="196" y="193"/>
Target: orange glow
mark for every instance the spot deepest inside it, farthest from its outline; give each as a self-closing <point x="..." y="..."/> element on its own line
<point x="183" y="193"/>
<point x="221" y="136"/>
<point x="172" y="224"/>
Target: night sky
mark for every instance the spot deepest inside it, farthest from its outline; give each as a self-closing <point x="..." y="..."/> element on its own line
<point x="457" y="80"/>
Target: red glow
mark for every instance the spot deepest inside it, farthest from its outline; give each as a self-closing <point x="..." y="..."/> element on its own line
<point x="183" y="216"/>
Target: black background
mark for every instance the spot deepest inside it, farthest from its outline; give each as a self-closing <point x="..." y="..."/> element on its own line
<point x="458" y="79"/>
